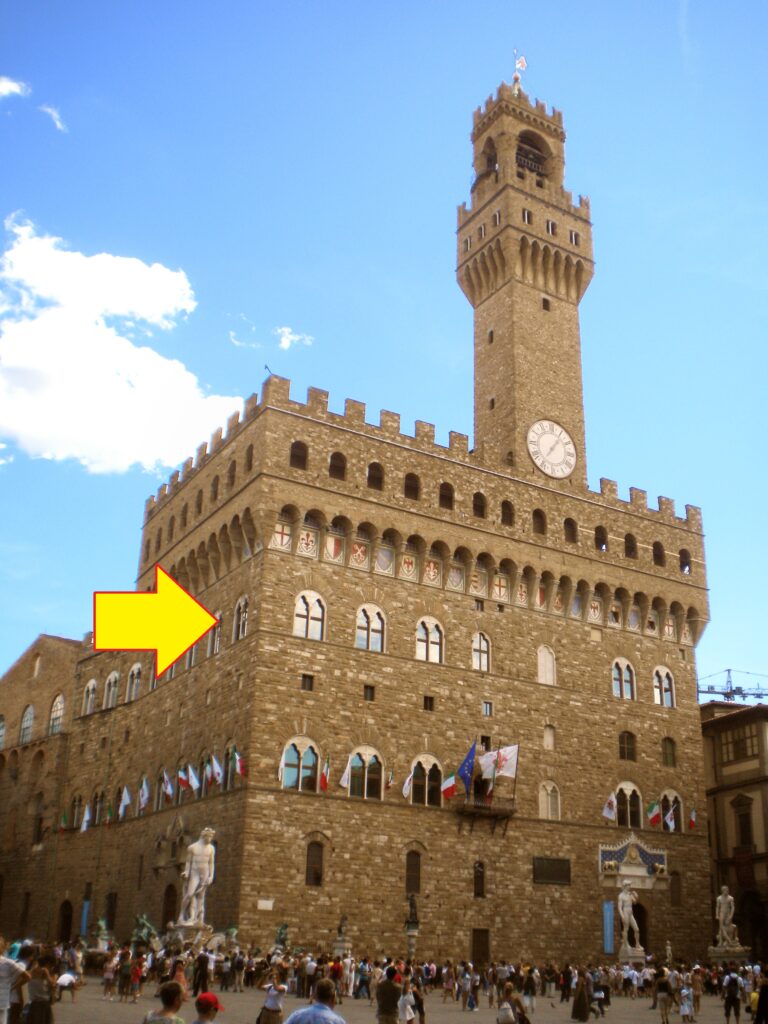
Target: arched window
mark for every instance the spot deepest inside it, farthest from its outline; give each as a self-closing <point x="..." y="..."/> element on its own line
<point x="663" y="688"/>
<point x="152" y="678"/>
<point x="160" y="791"/>
<point x="628" y="806"/>
<point x="530" y="155"/>
<point x="231" y="474"/>
<point x="623" y="676"/>
<point x="546" y="665"/>
<point x="627" y="746"/>
<point x="89" y="697"/>
<point x="110" y="690"/>
<point x="481" y="653"/>
<point x="198" y="502"/>
<point x="171" y="527"/>
<point x="299" y="766"/>
<point x="228" y="768"/>
<point x="426" y="782"/>
<point x="249" y="458"/>
<point x="601" y="538"/>
<point x="98" y="806"/>
<point x="314" y="875"/>
<point x="478" y="505"/>
<point x="309" y="616"/>
<point x="214" y="636"/>
<point x="412" y="487"/>
<point x="478" y="879"/>
<point x="659" y="558"/>
<point x="412" y="872"/>
<point x="429" y="641"/>
<point x="240" y="624"/>
<point x="630" y="546"/>
<point x="445" y="499"/>
<point x="57" y="716"/>
<point x="376" y="476"/>
<point x="183" y="517"/>
<point x="668" y="752"/>
<point x="539" y="522"/>
<point x="549" y="737"/>
<point x="549" y="801"/>
<point x="27" y="721"/>
<point x="134" y="684"/>
<point x="365" y="775"/>
<point x="215" y="489"/>
<point x="337" y="467"/>
<point x="685" y="562"/>
<point x="2" y="732"/>
<point x="369" y="629"/>
<point x="298" y="457"/>
<point x="158" y="539"/>
<point x="570" y="531"/>
<point x="671" y="810"/>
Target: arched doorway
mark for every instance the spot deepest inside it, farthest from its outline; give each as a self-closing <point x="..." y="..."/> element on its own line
<point x="65" y="921"/>
<point x="170" y="905"/>
<point x="641" y="916"/>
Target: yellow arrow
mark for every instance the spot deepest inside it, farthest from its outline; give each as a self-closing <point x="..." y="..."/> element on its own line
<point x="167" y="621"/>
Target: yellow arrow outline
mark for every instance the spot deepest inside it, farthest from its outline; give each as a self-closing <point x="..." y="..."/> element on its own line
<point x="167" y="620"/>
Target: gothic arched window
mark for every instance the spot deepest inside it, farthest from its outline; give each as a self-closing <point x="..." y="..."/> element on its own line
<point x="628" y="806"/>
<point x="546" y="665"/>
<point x="663" y="688"/>
<point x="481" y="653"/>
<point x="57" y="715"/>
<point x="429" y="641"/>
<point x="412" y="872"/>
<point x="240" y="625"/>
<point x="27" y="721"/>
<point x="314" y="874"/>
<point x="369" y="629"/>
<point x="623" y="678"/>
<point x="134" y="682"/>
<point x="549" y="801"/>
<point x="309" y="616"/>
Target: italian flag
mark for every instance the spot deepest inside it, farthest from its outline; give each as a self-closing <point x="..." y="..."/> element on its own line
<point x="325" y="774"/>
<point x="181" y="775"/>
<point x="238" y="763"/>
<point x="692" y="819"/>
<point x="63" y="824"/>
<point x="110" y="813"/>
<point x="654" y="812"/>
<point x="448" y="786"/>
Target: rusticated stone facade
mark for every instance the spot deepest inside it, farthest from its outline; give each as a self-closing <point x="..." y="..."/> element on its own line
<point x="386" y="597"/>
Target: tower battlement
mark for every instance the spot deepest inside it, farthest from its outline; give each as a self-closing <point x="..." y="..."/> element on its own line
<point x="507" y="93"/>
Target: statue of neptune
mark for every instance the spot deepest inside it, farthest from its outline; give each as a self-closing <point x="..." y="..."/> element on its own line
<point x="198" y="873"/>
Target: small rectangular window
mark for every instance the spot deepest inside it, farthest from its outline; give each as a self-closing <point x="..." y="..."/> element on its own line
<point x="307" y="682"/>
<point x="479" y="605"/>
<point x="575" y="238"/>
<point x="551" y="227"/>
<point x="487" y="708"/>
<point x="527" y="217"/>
<point x="369" y="693"/>
<point x="500" y="607"/>
<point x="545" y="305"/>
<point x="429" y="703"/>
<point x="485" y="743"/>
<point x="490" y="337"/>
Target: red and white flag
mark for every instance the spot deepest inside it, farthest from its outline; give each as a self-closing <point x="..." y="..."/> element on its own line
<point x="194" y="782"/>
<point x="167" y="785"/>
<point x="144" y="793"/>
<point x="521" y="64"/>
<point x="344" y="780"/>
<point x="669" y="819"/>
<point x="692" y="819"/>
<point x="216" y="770"/>
<point x="407" y="785"/>
<point x="238" y="763"/>
<point x="609" y="809"/>
<point x="325" y="774"/>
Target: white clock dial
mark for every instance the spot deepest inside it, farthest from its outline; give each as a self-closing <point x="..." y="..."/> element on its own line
<point x="551" y="448"/>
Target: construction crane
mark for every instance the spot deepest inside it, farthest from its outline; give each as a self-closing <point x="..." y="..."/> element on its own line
<point x="728" y="691"/>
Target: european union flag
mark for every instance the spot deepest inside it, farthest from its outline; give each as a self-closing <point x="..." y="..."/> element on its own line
<point x="467" y="767"/>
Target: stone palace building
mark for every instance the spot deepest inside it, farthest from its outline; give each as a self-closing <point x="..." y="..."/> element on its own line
<point x="384" y="602"/>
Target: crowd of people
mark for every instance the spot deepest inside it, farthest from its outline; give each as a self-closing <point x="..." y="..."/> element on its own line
<point x="33" y="978"/>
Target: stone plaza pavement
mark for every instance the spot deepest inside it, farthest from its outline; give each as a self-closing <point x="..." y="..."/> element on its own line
<point x="243" y="1008"/>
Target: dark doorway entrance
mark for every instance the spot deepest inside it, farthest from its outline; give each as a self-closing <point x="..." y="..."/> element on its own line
<point x="641" y="916"/>
<point x="170" y="905"/>
<point x="65" y="921"/>
<point x="481" y="947"/>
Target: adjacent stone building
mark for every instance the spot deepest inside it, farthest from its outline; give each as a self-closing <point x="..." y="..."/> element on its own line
<point x="736" y="764"/>
<point x="384" y="602"/>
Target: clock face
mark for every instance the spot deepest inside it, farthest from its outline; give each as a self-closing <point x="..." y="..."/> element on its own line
<point x="551" y="448"/>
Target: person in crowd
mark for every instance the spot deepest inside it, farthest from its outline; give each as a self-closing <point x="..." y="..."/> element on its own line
<point x="322" y="1010"/>
<point x="13" y="976"/>
<point x="40" y="989"/>
<point x="272" y="1011"/>
<point x="388" y="994"/>
<point x="171" y="998"/>
<point x="207" y="1007"/>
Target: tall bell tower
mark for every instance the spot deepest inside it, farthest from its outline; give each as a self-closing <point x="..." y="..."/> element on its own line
<point x="524" y="262"/>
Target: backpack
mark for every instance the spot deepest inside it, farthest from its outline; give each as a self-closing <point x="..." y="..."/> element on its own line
<point x="506" y="1014"/>
<point x="732" y="987"/>
<point x="239" y="962"/>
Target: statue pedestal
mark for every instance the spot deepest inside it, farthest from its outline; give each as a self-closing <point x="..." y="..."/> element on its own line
<point x="342" y="946"/>
<point x="724" y="954"/>
<point x="197" y="935"/>
<point x="411" y="934"/>
<point x="631" y="954"/>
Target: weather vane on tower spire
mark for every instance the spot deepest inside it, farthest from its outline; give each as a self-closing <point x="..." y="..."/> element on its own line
<point x="520" y="65"/>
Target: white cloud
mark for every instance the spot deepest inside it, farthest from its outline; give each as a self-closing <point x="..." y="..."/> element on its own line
<point x="10" y="87"/>
<point x="55" y="116"/>
<point x="72" y="384"/>
<point x="4" y="459"/>
<point x="288" y="337"/>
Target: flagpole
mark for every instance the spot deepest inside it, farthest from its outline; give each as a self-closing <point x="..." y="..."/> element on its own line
<point x="517" y="772"/>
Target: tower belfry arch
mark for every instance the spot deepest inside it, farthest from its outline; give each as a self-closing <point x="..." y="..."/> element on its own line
<point x="524" y="262"/>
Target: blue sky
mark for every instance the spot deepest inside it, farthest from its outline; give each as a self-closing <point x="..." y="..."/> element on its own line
<point x="277" y="183"/>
